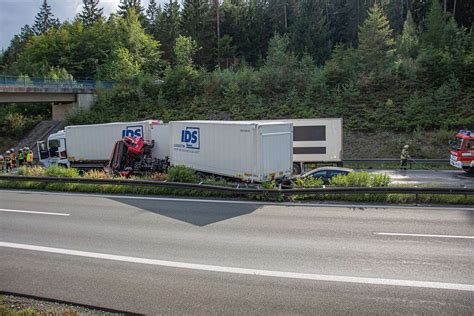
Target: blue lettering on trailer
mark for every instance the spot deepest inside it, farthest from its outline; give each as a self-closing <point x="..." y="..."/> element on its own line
<point x="190" y="137"/>
<point x="133" y="131"/>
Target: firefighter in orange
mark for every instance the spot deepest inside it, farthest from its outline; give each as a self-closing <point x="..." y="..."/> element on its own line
<point x="29" y="156"/>
<point x="13" y="158"/>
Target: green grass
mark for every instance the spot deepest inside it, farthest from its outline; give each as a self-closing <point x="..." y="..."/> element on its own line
<point x="7" y="310"/>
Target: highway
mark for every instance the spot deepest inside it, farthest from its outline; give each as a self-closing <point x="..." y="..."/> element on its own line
<point x="163" y="255"/>
<point x="445" y="178"/>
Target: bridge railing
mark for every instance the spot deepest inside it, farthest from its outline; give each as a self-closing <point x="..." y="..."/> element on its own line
<point x="27" y="82"/>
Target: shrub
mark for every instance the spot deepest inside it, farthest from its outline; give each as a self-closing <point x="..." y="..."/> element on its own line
<point x="360" y="179"/>
<point x="380" y="180"/>
<point x="182" y="174"/>
<point x="96" y="174"/>
<point x="308" y="182"/>
<point x="158" y="176"/>
<point x="59" y="171"/>
<point x="215" y="181"/>
<point x="32" y="172"/>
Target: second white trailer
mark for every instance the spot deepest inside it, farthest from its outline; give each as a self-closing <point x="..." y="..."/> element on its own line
<point x="251" y="151"/>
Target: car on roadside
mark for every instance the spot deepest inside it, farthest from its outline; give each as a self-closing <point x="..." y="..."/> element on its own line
<point x="323" y="173"/>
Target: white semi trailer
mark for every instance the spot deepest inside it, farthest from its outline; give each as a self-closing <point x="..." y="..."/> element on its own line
<point x="315" y="141"/>
<point x="90" y="146"/>
<point x="250" y="151"/>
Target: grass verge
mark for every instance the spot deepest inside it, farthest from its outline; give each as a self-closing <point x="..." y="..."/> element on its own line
<point x="124" y="189"/>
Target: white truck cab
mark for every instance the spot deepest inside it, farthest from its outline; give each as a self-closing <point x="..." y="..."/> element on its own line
<point x="53" y="151"/>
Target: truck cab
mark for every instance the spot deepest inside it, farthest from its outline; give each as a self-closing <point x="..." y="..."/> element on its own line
<point x="53" y="151"/>
<point x="462" y="151"/>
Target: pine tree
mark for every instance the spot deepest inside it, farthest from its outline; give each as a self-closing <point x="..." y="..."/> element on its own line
<point x="376" y="44"/>
<point x="197" y="23"/>
<point x="168" y="28"/>
<point x="17" y="45"/>
<point x="152" y="15"/>
<point x="91" y="13"/>
<point x="435" y="25"/>
<point x="126" y="5"/>
<point x="44" y="20"/>
<point x="395" y="12"/>
<point x="310" y="31"/>
<point x="408" y="43"/>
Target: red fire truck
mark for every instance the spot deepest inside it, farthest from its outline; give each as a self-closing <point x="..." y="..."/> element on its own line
<point x="462" y="151"/>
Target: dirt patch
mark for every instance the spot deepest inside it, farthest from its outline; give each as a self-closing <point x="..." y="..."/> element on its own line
<point x="18" y="305"/>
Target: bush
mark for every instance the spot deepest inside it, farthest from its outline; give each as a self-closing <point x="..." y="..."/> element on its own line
<point x="158" y="176"/>
<point x="58" y="171"/>
<point x="360" y="179"/>
<point x="215" y="181"/>
<point x="182" y="174"/>
<point x="96" y="174"/>
<point x="32" y="172"/>
<point x="308" y="182"/>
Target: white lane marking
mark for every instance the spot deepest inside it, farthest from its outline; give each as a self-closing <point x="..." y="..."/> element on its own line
<point x="33" y="212"/>
<point x="184" y="199"/>
<point x="425" y="235"/>
<point x="255" y="272"/>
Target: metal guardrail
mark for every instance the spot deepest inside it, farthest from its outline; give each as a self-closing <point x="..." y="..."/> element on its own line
<point x="244" y="191"/>
<point x="27" y="82"/>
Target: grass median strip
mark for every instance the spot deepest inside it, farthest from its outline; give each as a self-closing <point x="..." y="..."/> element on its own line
<point x="141" y="190"/>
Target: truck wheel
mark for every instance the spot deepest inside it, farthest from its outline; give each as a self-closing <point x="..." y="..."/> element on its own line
<point x="469" y="171"/>
<point x="296" y="168"/>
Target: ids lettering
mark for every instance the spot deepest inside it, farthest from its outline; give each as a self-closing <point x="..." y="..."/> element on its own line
<point x="190" y="137"/>
<point x="133" y="131"/>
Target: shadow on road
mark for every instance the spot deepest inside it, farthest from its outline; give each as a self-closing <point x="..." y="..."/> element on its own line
<point x="199" y="214"/>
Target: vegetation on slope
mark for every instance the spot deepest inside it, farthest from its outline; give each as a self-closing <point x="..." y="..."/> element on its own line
<point x="393" y="68"/>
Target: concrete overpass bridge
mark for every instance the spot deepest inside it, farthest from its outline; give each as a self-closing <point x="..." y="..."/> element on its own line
<point x="66" y="96"/>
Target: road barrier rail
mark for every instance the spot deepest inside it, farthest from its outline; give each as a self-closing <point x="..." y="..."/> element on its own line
<point x="242" y="190"/>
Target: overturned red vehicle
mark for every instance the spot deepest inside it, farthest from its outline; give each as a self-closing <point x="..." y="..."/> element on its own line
<point x="132" y="155"/>
<point x="462" y="151"/>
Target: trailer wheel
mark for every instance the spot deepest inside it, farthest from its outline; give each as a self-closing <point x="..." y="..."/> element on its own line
<point x="296" y="168"/>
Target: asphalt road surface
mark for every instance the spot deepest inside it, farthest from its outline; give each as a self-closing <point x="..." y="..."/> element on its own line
<point x="175" y="256"/>
<point x="448" y="178"/>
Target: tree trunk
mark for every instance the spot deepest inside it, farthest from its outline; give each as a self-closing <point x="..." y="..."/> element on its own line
<point x="445" y="6"/>
<point x="454" y="9"/>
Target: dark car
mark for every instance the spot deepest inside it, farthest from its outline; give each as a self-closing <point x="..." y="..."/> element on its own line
<point x="325" y="173"/>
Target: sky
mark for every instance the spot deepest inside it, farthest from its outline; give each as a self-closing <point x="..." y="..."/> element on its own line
<point x="16" y="13"/>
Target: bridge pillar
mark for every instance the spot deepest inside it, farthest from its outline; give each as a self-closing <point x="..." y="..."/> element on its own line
<point x="60" y="111"/>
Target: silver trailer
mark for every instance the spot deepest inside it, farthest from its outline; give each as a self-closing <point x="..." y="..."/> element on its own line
<point x="250" y="151"/>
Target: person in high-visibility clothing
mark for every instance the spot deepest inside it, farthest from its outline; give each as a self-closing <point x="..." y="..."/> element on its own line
<point x="404" y="156"/>
<point x="29" y="157"/>
<point x="21" y="157"/>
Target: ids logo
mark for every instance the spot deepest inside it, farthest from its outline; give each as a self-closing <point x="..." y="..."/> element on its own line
<point x="190" y="137"/>
<point x="133" y="131"/>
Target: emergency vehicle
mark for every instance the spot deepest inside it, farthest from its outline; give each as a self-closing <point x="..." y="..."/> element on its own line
<point x="462" y="151"/>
